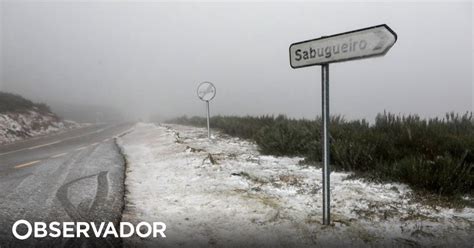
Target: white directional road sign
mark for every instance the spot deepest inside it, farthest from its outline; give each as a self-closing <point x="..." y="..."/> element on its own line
<point x="357" y="44"/>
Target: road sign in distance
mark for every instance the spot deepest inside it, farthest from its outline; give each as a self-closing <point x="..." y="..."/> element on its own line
<point x="357" y="44"/>
<point x="206" y="91"/>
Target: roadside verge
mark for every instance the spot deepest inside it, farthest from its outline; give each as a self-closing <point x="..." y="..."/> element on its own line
<point x="224" y="193"/>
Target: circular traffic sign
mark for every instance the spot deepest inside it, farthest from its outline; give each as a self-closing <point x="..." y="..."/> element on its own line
<point x="206" y="91"/>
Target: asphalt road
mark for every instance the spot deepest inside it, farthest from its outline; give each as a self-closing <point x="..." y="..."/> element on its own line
<point x="75" y="175"/>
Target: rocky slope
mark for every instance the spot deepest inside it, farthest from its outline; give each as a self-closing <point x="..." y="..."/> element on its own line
<point x="21" y="119"/>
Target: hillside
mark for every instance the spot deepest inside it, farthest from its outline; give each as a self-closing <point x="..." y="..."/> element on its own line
<point x="21" y="118"/>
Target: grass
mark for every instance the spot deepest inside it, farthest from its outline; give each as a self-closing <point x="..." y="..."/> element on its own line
<point x="432" y="155"/>
<point x="16" y="103"/>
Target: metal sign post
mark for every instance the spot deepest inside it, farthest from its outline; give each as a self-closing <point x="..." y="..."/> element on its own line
<point x="206" y="91"/>
<point x="358" y="44"/>
<point x="325" y="140"/>
<point x="208" y="117"/>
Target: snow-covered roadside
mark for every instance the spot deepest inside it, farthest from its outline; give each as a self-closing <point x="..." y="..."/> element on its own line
<point x="18" y="126"/>
<point x="224" y="193"/>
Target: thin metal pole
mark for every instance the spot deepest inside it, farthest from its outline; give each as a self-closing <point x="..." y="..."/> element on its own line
<point x="325" y="141"/>
<point x="208" y="117"/>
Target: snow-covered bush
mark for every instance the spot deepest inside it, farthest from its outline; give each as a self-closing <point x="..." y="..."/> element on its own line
<point x="435" y="154"/>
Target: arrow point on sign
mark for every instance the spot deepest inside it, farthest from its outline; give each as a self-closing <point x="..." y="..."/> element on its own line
<point x="383" y="38"/>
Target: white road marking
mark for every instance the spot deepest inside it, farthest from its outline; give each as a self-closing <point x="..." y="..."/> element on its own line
<point x="5" y="153"/>
<point x="59" y="155"/>
<point x="80" y="148"/>
<point x="26" y="164"/>
<point x="38" y="146"/>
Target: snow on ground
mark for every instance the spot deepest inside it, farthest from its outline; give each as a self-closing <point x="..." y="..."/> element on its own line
<point x="224" y="193"/>
<point x="17" y="126"/>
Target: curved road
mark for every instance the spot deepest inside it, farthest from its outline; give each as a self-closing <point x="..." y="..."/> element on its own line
<point x="76" y="175"/>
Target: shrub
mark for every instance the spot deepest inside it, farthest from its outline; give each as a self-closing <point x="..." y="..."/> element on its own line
<point x="435" y="154"/>
<point x="444" y="175"/>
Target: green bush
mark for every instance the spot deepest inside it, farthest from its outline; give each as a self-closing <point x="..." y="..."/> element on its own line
<point x="445" y="175"/>
<point x="435" y="154"/>
<point x="284" y="138"/>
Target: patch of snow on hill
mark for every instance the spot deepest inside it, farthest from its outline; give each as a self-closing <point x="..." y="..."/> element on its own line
<point x="16" y="126"/>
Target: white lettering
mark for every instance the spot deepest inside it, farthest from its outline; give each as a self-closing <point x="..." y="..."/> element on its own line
<point x="53" y="226"/>
<point x="110" y="230"/>
<point x="122" y="229"/>
<point x="94" y="229"/>
<point x="40" y="230"/>
<point x="82" y="229"/>
<point x="68" y="230"/>
<point x="157" y="230"/>
<point x="139" y="229"/>
<point x="28" y="232"/>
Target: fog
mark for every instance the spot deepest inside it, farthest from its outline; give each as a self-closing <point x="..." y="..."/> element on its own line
<point x="146" y="59"/>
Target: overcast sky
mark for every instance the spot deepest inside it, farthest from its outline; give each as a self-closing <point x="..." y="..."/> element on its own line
<point x="149" y="57"/>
